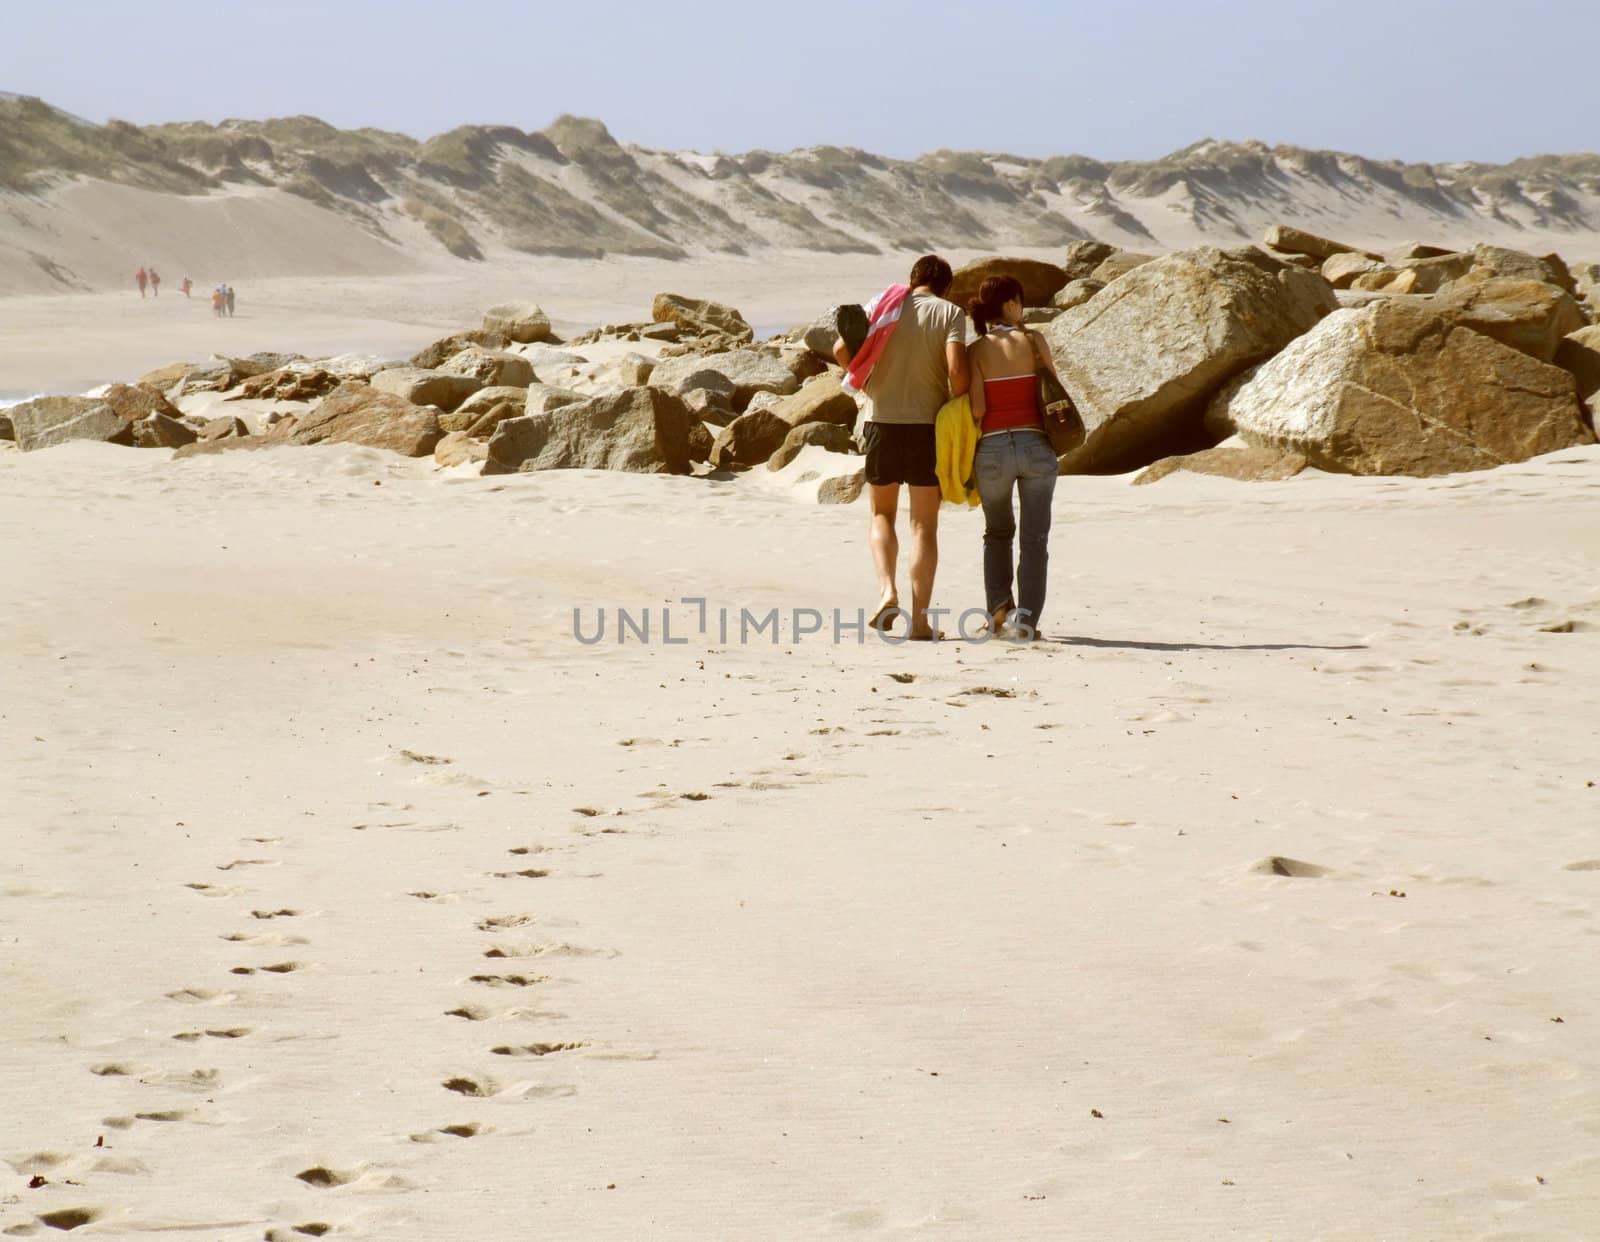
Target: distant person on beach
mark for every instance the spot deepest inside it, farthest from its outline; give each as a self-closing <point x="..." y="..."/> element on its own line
<point x="218" y="302"/>
<point x="1013" y="455"/>
<point x="187" y="286"/>
<point x="227" y="293"/>
<point x="141" y="278"/>
<point x="155" y="282"/>
<point x="913" y="360"/>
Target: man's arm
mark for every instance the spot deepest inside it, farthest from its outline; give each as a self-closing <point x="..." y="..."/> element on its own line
<point x="955" y="361"/>
<point x="841" y="354"/>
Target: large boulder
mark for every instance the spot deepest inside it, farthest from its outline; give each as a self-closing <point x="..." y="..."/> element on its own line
<point x="457" y="448"/>
<point x="1083" y="257"/>
<point x="831" y="436"/>
<point x="485" y="399"/>
<point x="1039" y="280"/>
<point x="288" y="384"/>
<point x="493" y="368"/>
<point x="519" y="321"/>
<point x="643" y="430"/>
<point x="1075" y="293"/>
<point x="134" y="402"/>
<point x="1145" y="355"/>
<point x="747" y="372"/>
<point x="1429" y="275"/>
<point x="1297" y="241"/>
<point x="421" y="387"/>
<point x="700" y="317"/>
<point x="1515" y="265"/>
<point x="162" y="431"/>
<point x="432" y="356"/>
<point x="1394" y="388"/>
<point x="822" y="400"/>
<point x="357" y="413"/>
<point x="163" y="379"/>
<point x="1529" y="315"/>
<point x="1339" y="270"/>
<point x="1119" y="264"/>
<point x="749" y="440"/>
<point x="1245" y="464"/>
<point x="1580" y="355"/>
<point x="48" y="421"/>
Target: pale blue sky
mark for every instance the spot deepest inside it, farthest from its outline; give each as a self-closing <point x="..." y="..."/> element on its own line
<point x="1116" y="79"/>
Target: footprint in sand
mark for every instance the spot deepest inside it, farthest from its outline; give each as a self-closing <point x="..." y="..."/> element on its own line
<point x="275" y="914"/>
<point x="68" y="1219"/>
<point x="270" y="938"/>
<point x="1588" y="864"/>
<point x="535" y="1050"/>
<point x="247" y="862"/>
<point x="202" y="996"/>
<point x="214" y="890"/>
<point x="1292" y="867"/>
<point x="294" y="1233"/>
<point x="545" y="950"/>
<point x="527" y="873"/>
<point x="508" y="981"/>
<point x="280" y="968"/>
<point x="471" y="1129"/>
<point x="233" y="1032"/>
<point x="504" y="922"/>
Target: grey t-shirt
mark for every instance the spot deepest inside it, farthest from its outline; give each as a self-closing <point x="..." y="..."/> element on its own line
<point x="911" y="380"/>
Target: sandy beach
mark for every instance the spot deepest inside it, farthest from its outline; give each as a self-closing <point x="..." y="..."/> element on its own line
<point x="349" y="894"/>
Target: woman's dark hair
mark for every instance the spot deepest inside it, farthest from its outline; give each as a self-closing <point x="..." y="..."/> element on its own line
<point x="933" y="272"/>
<point x="988" y="306"/>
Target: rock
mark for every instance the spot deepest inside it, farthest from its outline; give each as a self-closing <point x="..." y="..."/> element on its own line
<point x="643" y="430"/>
<point x="217" y="375"/>
<point x="831" y="436"/>
<point x="1039" y="280"/>
<point x="552" y="357"/>
<point x="421" y="387"/>
<point x="822" y="400"/>
<point x="162" y="431"/>
<point x="1433" y="274"/>
<point x="163" y="379"/>
<point x="491" y="368"/>
<point x="665" y="331"/>
<point x="748" y="440"/>
<point x="635" y="369"/>
<point x="433" y="356"/>
<point x="520" y="321"/>
<point x="349" y="366"/>
<point x="710" y="405"/>
<point x="230" y="444"/>
<point x="485" y="399"/>
<point x="1340" y="269"/>
<point x="1384" y="280"/>
<point x="1490" y="261"/>
<point x="357" y="413"/>
<point x="483" y="425"/>
<point x="701" y="442"/>
<point x="763" y="401"/>
<point x="1283" y="237"/>
<point x="261" y="363"/>
<point x="1217" y="421"/>
<point x="1396" y="389"/>
<point x="1076" y="293"/>
<point x="225" y="427"/>
<point x="458" y="448"/>
<point x="820" y="334"/>
<point x="48" y="421"/>
<point x="543" y="397"/>
<point x="8" y="429"/>
<point x="745" y="372"/>
<point x="1399" y="256"/>
<point x="1040" y="314"/>
<point x="1145" y="355"/>
<point x="844" y="490"/>
<point x="1579" y="355"/>
<point x="1310" y="262"/>
<point x="802" y="362"/>
<point x="700" y="317"/>
<point x="1083" y="257"/>
<point x="287" y="385"/>
<point x="135" y="402"/>
<point x="1528" y="315"/>
<point x="1248" y="465"/>
<point x="1119" y="264"/>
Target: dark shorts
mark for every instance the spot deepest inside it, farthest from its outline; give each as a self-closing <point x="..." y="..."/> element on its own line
<point x="901" y="453"/>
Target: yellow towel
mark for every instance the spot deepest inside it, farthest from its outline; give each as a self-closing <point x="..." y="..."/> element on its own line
<point x="957" y="438"/>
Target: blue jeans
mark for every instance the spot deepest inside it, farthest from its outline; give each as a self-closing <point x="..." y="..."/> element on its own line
<point x="1025" y="461"/>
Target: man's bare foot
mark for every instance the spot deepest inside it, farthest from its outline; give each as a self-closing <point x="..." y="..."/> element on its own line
<point x="884" y="618"/>
<point x="926" y="635"/>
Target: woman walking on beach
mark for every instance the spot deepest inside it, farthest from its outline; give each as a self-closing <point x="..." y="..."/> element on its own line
<point x="1013" y="455"/>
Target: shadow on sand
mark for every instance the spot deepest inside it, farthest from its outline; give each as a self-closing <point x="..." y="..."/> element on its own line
<point x="1125" y="644"/>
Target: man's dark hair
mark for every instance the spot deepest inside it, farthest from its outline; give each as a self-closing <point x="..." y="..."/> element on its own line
<point x="932" y="271"/>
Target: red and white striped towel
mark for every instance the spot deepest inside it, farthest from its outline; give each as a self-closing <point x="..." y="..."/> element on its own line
<point x="883" y="316"/>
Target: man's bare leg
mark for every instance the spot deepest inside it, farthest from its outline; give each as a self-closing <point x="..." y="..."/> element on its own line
<point x="924" y="556"/>
<point x="885" y="501"/>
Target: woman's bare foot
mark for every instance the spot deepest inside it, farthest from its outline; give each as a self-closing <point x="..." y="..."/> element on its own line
<point x="884" y="618"/>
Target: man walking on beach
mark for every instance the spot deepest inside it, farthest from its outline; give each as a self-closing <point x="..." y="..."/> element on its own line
<point x="913" y="360"/>
<point x="155" y="282"/>
<point x="141" y="278"/>
<point x="227" y="294"/>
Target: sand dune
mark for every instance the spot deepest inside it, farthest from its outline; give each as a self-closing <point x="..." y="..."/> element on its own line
<point x="350" y="894"/>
